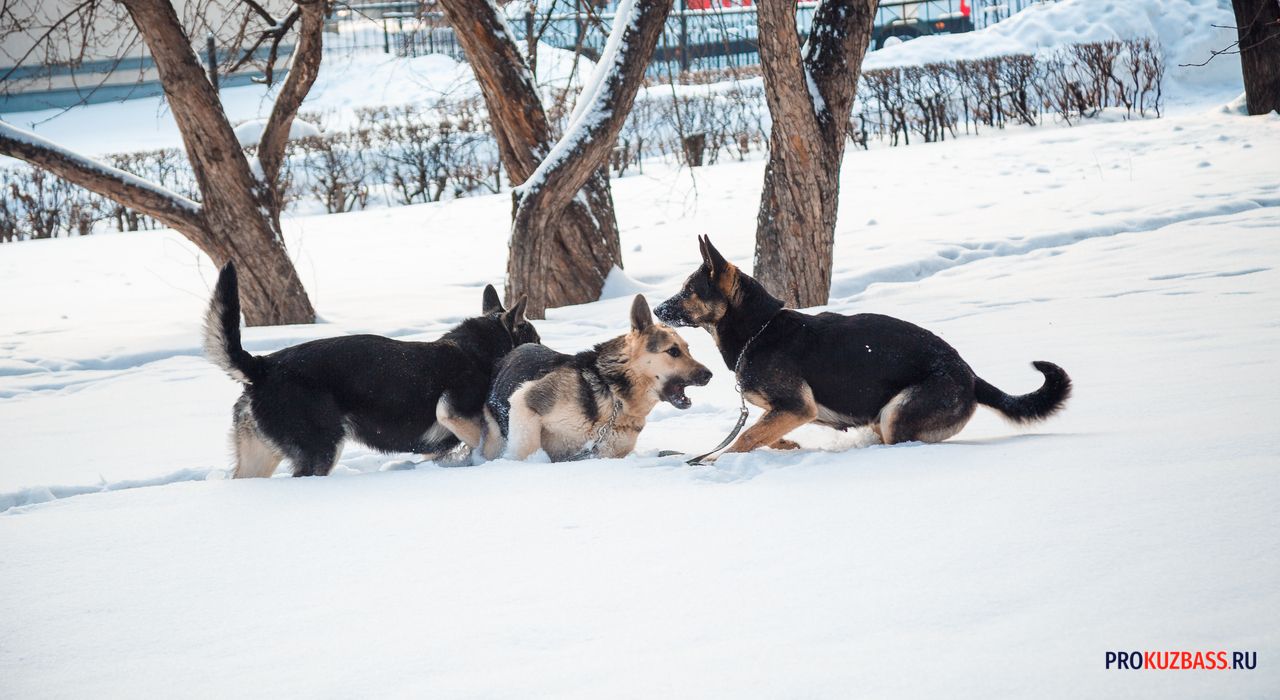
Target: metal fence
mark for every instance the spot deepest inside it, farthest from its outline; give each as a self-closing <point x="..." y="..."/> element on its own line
<point x="699" y="35"/>
<point x="400" y="28"/>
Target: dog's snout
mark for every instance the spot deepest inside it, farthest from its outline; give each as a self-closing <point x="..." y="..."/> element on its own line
<point x="672" y="312"/>
<point x="702" y="377"/>
<point x="664" y="311"/>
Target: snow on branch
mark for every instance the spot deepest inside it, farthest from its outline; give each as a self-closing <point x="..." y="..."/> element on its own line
<point x="113" y="183"/>
<point x="503" y="28"/>
<point x="595" y="106"/>
<point x="833" y="53"/>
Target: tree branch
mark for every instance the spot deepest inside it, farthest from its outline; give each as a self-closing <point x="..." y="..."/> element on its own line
<point x="788" y="87"/>
<point x="149" y="198"/>
<point x="262" y="12"/>
<point x="302" y="74"/>
<point x="275" y="44"/>
<point x="833" y="59"/>
<point x="781" y="62"/>
<point x="231" y="191"/>
<point x="604" y="105"/>
<point x="39" y="41"/>
<point x="523" y="135"/>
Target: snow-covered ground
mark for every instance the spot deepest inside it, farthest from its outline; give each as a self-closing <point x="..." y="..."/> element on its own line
<point x="1144" y="257"/>
<point x="1141" y="256"/>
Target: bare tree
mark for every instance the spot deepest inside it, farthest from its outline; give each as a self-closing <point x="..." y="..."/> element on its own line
<point x="810" y="93"/>
<point x="238" y="215"/>
<point x="1258" y="25"/>
<point x="564" y="236"/>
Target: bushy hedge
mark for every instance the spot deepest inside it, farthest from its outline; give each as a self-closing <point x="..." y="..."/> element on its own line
<point x="1074" y="83"/>
<point x="411" y="154"/>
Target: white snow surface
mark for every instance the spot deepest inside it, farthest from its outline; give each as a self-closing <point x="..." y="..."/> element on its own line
<point x="594" y="106"/>
<point x="249" y="133"/>
<point x="344" y="84"/>
<point x="1143" y="257"/>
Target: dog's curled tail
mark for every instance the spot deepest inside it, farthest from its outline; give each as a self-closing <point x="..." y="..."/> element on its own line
<point x="1038" y="405"/>
<point x="222" y="330"/>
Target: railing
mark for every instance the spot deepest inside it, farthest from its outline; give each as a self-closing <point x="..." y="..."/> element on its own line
<point x="399" y="28"/>
<point x="988" y="12"/>
<point x="699" y="35"/>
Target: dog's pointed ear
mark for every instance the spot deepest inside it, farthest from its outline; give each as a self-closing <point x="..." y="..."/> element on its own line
<point x="492" y="303"/>
<point x="716" y="264"/>
<point x="516" y="314"/>
<point x="702" y="249"/>
<point x="641" y="317"/>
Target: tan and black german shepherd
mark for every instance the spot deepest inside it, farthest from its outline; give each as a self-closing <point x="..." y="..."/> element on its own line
<point x="865" y="370"/>
<point x="594" y="403"/>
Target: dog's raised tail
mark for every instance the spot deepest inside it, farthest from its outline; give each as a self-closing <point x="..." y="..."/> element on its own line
<point x="1038" y="405"/>
<point x="222" y="330"/>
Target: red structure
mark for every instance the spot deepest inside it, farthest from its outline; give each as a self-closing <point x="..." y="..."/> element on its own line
<point x="712" y="4"/>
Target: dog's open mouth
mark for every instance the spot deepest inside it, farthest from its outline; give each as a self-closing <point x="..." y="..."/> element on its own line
<point x="673" y="393"/>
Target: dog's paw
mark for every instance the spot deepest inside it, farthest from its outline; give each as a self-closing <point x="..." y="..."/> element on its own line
<point x="785" y="444"/>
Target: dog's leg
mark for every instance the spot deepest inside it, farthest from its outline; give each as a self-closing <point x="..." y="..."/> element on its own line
<point x="785" y="444"/>
<point x="320" y="431"/>
<point x="468" y="429"/>
<point x="318" y="463"/>
<point x="524" y="428"/>
<point x="930" y="411"/>
<point x="782" y="415"/>
<point x="492" y="442"/>
<point x="255" y="457"/>
<point x="769" y="429"/>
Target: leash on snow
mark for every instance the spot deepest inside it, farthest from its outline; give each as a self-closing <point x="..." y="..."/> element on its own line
<point x="742" y="408"/>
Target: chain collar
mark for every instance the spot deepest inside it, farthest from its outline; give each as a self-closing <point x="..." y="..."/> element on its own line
<point x="737" y="366"/>
<point x="592" y="448"/>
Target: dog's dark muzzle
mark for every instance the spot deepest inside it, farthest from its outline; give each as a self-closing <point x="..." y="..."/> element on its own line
<point x="672" y="312"/>
<point x="702" y="377"/>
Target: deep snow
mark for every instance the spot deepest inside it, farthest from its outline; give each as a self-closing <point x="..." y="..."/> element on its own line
<point x="1140" y="256"/>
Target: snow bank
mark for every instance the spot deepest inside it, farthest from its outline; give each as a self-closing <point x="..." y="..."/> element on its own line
<point x="618" y="284"/>
<point x="249" y="133"/>
<point x="1182" y="26"/>
<point x="1005" y="562"/>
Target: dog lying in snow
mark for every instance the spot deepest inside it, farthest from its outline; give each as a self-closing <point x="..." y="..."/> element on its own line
<point x="865" y="370"/>
<point x="594" y="403"/>
<point x="300" y="403"/>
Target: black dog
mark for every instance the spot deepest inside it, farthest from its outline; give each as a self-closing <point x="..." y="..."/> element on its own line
<point x="866" y="370"/>
<point x="391" y="395"/>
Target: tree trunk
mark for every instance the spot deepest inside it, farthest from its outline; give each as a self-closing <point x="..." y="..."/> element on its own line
<point x="237" y="207"/>
<point x="1258" y="25"/>
<point x="537" y="263"/>
<point x="584" y="231"/>
<point x="810" y="95"/>
<point x="236" y="219"/>
<point x="302" y="74"/>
